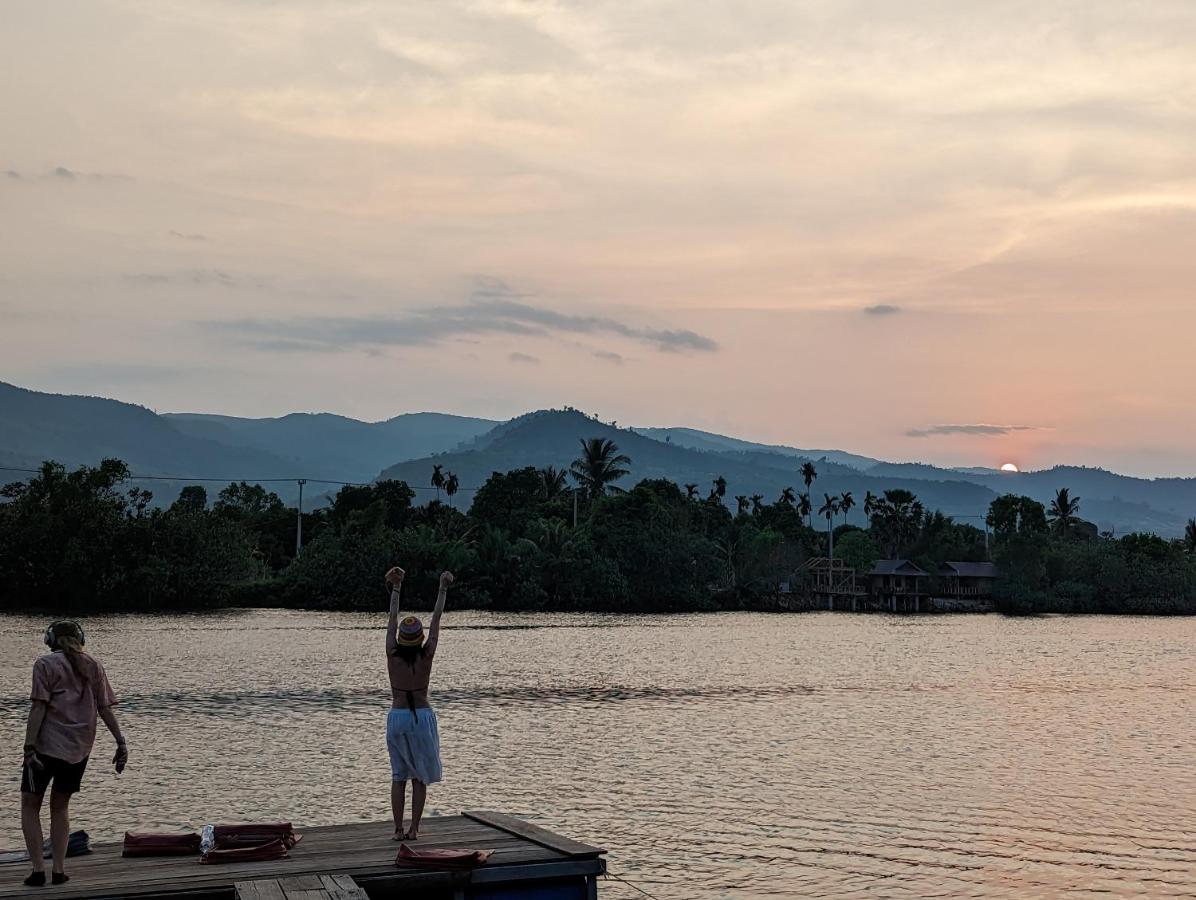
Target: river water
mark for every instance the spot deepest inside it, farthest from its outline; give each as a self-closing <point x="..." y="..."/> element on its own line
<point x="727" y="755"/>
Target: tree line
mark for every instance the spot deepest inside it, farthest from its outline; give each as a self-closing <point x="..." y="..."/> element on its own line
<point x="547" y="538"/>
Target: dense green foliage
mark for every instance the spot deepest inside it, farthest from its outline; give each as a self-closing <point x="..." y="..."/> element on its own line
<point x="84" y="540"/>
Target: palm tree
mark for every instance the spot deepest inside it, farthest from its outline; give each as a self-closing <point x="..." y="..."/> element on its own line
<point x="788" y="497"/>
<point x="830" y="509"/>
<point x="451" y="484"/>
<point x="808" y="475"/>
<point x="1063" y="511"/>
<point x="599" y="467"/>
<point x="805" y="507"/>
<point x="870" y="501"/>
<point x="691" y="492"/>
<point x="1190" y="536"/>
<point x="553" y="481"/>
<point x="896" y="519"/>
<point x="846" y="502"/>
<point x="437" y="479"/>
<point x="720" y="488"/>
<point x="757" y="501"/>
<point x="741" y="504"/>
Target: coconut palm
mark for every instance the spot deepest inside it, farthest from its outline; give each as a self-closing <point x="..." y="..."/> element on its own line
<point x="691" y="492"/>
<point x="804" y="506"/>
<point x="846" y="502"/>
<point x="808" y="475"/>
<point x="451" y="484"/>
<point x="553" y="481"/>
<point x="870" y="501"/>
<point x="896" y="519"/>
<point x="720" y="488"/>
<point x="1063" y="511"/>
<point x="830" y="509"/>
<point x="788" y="497"/>
<point x="741" y="504"/>
<point x="599" y="467"/>
<point x="437" y="479"/>
<point x="757" y="503"/>
<point x="1190" y="536"/>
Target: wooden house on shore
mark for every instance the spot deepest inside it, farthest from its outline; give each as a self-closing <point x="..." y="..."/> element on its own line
<point x="896" y="585"/>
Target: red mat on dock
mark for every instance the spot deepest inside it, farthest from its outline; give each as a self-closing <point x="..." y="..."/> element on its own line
<point x="251" y="843"/>
<point x="410" y="858"/>
<point x="142" y="844"/>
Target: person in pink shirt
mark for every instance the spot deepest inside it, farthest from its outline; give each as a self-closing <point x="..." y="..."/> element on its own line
<point x="70" y="691"/>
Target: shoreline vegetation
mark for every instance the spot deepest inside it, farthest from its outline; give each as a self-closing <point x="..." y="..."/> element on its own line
<point x="547" y="539"/>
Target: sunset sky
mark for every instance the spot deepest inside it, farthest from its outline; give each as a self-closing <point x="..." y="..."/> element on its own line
<point x="961" y="232"/>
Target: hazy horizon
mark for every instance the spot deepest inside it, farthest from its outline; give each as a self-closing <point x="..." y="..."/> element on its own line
<point x="941" y="231"/>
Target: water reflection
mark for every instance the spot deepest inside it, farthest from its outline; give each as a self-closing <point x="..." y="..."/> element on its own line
<point x="736" y="755"/>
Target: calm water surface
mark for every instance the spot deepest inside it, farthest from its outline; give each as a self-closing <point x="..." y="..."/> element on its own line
<point x="731" y="755"/>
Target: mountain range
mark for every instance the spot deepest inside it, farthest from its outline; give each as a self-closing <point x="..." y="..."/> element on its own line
<point x="320" y="446"/>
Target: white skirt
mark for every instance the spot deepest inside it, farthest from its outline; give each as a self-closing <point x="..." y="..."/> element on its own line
<point x="413" y="740"/>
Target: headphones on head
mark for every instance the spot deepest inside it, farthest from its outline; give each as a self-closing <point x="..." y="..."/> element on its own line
<point x="51" y="639"/>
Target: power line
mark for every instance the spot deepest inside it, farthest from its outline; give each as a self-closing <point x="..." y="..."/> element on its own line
<point x="296" y="478"/>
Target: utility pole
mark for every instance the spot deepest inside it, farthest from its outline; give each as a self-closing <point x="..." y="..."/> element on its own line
<point x="299" y="522"/>
<point x="575" y="508"/>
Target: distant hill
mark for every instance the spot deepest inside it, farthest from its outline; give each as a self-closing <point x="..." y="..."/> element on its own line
<point x="76" y="430"/>
<point x="1118" y="503"/>
<point x="553" y="438"/>
<point x="335" y="446"/>
<point x="704" y="440"/>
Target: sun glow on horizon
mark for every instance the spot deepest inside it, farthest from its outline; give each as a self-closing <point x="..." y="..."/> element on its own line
<point x="1010" y="467"/>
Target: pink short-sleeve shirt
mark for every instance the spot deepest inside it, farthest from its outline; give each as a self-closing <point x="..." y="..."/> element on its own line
<point x="72" y="706"/>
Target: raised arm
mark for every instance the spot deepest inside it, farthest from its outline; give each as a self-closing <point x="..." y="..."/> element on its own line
<point x="395" y="579"/>
<point x="446" y="580"/>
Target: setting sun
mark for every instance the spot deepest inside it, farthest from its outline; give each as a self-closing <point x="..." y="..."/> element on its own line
<point x="1010" y="467"/>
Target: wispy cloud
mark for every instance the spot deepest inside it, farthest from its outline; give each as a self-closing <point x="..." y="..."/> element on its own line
<point x="489" y="312"/>
<point x="199" y="278"/>
<point x="184" y="236"/>
<point x="610" y="356"/>
<point x="524" y="358"/>
<point x="976" y="429"/>
<point x="882" y="309"/>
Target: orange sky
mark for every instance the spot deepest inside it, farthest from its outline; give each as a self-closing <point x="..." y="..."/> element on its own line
<point x="867" y="225"/>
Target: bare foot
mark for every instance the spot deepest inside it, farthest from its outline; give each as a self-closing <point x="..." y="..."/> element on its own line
<point x="412" y="834"/>
<point x="399" y="835"/>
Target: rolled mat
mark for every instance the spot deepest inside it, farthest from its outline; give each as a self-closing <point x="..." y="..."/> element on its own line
<point x="251" y="843"/>
<point x="142" y="844"/>
<point x="410" y="858"/>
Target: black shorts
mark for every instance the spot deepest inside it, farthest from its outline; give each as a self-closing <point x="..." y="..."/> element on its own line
<point x="67" y="777"/>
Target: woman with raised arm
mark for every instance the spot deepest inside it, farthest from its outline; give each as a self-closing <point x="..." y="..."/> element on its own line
<point x="70" y="692"/>
<point x="412" y="736"/>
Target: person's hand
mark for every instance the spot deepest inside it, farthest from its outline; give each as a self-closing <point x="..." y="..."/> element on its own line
<point x="446" y="580"/>
<point x="395" y="576"/>
<point x="32" y="759"/>
<point x="121" y="758"/>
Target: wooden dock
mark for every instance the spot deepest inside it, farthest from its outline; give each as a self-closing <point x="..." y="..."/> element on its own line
<point x="527" y="860"/>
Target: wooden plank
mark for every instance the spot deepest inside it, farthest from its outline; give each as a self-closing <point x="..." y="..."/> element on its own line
<point x="535" y="834"/>
<point x="259" y="890"/>
<point x="301" y="883"/>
